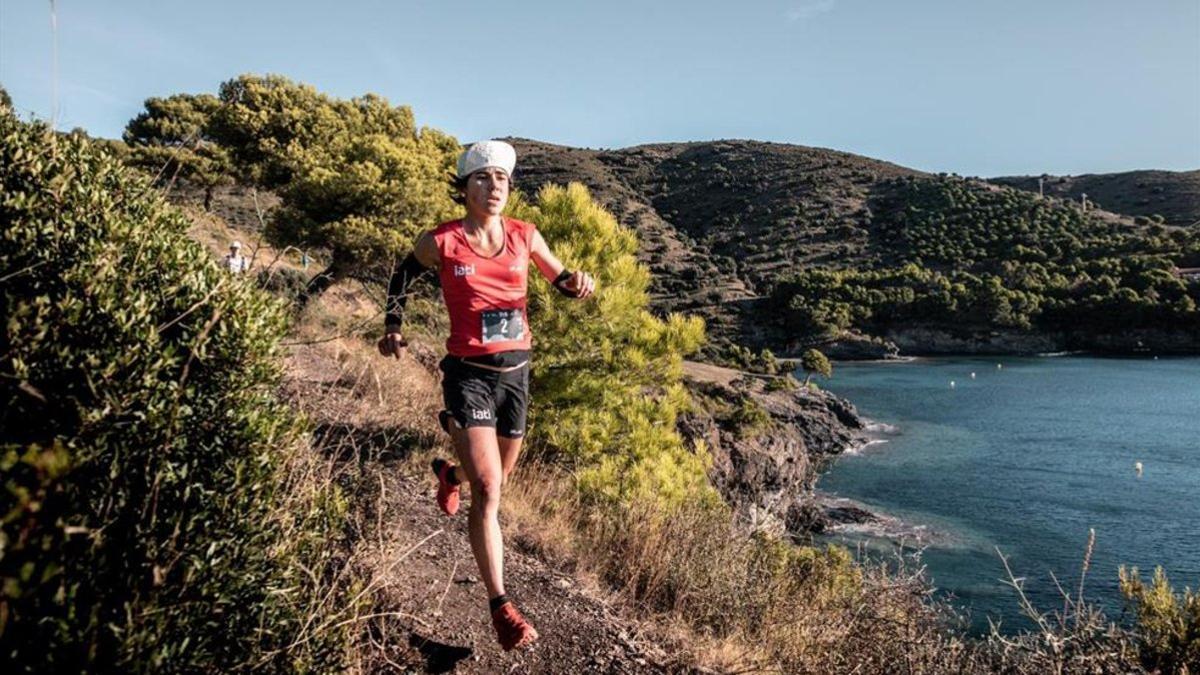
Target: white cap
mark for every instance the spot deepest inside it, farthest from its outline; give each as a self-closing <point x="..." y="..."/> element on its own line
<point x="235" y="244"/>
<point x="486" y="154"/>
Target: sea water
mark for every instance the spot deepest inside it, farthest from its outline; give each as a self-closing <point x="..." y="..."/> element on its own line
<point x="1021" y="457"/>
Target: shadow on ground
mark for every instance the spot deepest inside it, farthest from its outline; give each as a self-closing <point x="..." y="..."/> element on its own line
<point x="346" y="442"/>
<point x="439" y="657"/>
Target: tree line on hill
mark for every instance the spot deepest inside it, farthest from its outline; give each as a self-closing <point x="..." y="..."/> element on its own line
<point x="955" y="254"/>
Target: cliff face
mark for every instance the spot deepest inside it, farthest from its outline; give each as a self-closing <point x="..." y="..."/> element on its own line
<point x="766" y="461"/>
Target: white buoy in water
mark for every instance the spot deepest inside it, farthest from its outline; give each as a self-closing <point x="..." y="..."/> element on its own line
<point x="1137" y="466"/>
<point x="951" y="384"/>
<point x="998" y="366"/>
<point x="1156" y="358"/>
<point x="972" y="376"/>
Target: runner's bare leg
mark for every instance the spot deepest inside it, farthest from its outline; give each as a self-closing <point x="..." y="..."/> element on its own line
<point x="479" y="452"/>
<point x="510" y="449"/>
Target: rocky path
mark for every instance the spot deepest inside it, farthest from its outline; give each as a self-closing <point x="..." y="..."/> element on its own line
<point x="444" y="625"/>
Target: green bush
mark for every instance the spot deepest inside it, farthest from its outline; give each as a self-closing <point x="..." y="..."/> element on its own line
<point x="743" y="358"/>
<point x="748" y="418"/>
<point x="285" y="282"/>
<point x="783" y="382"/>
<point x="607" y="383"/>
<point x="146" y="524"/>
<point x="1168" y="624"/>
<point x="766" y="363"/>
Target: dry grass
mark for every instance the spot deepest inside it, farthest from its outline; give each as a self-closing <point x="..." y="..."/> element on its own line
<point x="372" y="418"/>
<point x="729" y="602"/>
<point x="216" y="235"/>
<point x="1074" y="639"/>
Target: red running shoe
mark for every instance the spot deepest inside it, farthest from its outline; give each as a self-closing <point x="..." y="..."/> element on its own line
<point x="512" y="629"/>
<point x="448" y="492"/>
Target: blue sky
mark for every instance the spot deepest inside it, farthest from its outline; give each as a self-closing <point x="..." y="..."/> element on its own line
<point x="977" y="87"/>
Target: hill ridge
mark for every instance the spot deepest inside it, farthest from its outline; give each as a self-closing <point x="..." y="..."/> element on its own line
<point x="1174" y="195"/>
<point x="721" y="221"/>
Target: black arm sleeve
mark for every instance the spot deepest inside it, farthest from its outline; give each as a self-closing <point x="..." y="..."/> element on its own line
<point x="397" y="296"/>
<point x="560" y="284"/>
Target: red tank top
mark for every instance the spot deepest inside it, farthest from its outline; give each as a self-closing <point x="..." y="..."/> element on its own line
<point x="485" y="295"/>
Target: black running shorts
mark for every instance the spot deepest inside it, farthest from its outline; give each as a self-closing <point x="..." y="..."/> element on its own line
<point x="478" y="397"/>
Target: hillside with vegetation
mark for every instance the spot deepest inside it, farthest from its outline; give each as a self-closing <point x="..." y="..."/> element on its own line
<point x="783" y="247"/>
<point x="963" y="259"/>
<point x="1168" y="197"/>
<point x="214" y="473"/>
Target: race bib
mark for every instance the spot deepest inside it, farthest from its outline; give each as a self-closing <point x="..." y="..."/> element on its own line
<point x="502" y="325"/>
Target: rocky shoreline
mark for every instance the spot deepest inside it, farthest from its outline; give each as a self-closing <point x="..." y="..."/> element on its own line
<point x="769" y="445"/>
<point x="767" y="468"/>
<point x="846" y="516"/>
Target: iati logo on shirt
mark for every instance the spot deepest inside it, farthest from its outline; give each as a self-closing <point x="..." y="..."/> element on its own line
<point x="464" y="270"/>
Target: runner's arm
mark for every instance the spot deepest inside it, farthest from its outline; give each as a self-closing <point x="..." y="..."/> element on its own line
<point x="577" y="284"/>
<point x="423" y="257"/>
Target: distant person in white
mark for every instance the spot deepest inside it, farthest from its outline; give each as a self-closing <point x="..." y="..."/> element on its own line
<point x="235" y="262"/>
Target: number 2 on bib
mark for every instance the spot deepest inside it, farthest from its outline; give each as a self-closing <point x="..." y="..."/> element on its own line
<point x="502" y="325"/>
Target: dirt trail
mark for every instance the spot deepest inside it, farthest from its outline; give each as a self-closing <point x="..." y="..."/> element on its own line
<point x="446" y="626"/>
<point x="706" y="372"/>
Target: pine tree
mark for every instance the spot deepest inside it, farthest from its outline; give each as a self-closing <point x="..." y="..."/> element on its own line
<point x="607" y="380"/>
<point x="813" y="361"/>
<point x="356" y="177"/>
<point x="173" y="138"/>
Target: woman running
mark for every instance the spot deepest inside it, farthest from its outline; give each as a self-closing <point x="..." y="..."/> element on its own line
<point x="483" y="264"/>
